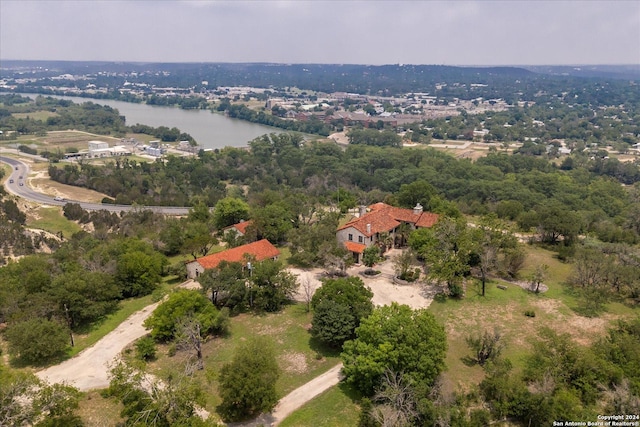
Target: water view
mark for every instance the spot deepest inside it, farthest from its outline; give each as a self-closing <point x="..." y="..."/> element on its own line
<point x="209" y="129"/>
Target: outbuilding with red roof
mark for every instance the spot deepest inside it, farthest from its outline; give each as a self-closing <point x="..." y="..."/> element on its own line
<point x="258" y="251"/>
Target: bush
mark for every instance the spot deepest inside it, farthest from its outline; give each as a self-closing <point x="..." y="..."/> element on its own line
<point x="530" y="313"/>
<point x="146" y="349"/>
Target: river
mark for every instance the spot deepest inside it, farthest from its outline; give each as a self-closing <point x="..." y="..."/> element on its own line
<point x="209" y="129"/>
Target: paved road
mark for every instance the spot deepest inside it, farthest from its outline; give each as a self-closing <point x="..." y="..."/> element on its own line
<point x="20" y="188"/>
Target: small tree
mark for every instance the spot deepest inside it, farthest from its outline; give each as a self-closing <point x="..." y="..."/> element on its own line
<point x="146" y="348"/>
<point x="538" y="276"/>
<point x="248" y="383"/>
<point x="370" y="256"/>
<point x="402" y="264"/>
<point x="307" y="291"/>
<point x="487" y="346"/>
<point x="396" y="401"/>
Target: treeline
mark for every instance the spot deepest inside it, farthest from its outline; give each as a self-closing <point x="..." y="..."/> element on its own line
<point x="186" y="103"/>
<point x="517" y="187"/>
<point x="89" y="117"/>
<point x="509" y="83"/>
<point x="239" y="111"/>
<point x="580" y="126"/>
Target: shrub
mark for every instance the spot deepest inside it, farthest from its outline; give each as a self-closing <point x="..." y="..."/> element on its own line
<point x="530" y="313"/>
<point x="146" y="348"/>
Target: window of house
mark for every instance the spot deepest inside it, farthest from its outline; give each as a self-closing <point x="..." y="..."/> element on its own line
<point x="350" y="236"/>
<point x="360" y="239"/>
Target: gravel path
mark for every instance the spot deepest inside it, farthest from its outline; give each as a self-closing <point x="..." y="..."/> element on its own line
<point x="296" y="399"/>
<point x="89" y="369"/>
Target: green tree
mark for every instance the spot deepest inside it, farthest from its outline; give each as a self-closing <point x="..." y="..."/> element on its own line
<point x="273" y="221"/>
<point x="446" y="248"/>
<point x="169" y="403"/>
<point x="338" y="308"/>
<point x="555" y="221"/>
<point x="270" y="285"/>
<point x="37" y="341"/>
<point x="486" y="346"/>
<point x="25" y="400"/>
<point x="138" y="273"/>
<point x="395" y="338"/>
<point x="417" y="192"/>
<point x="229" y="211"/>
<point x="183" y="303"/>
<point x="248" y="383"/>
<point x="146" y="348"/>
<point x="226" y="283"/>
<point x="370" y="256"/>
<point x="84" y="296"/>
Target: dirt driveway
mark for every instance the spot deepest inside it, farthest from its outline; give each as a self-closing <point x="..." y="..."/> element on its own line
<point x="89" y="369"/>
<point x="384" y="290"/>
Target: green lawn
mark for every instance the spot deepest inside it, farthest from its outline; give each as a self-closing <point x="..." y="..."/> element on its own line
<point x="52" y="220"/>
<point x="335" y="407"/>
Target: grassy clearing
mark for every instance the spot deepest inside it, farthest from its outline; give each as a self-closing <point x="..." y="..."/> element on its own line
<point x="333" y="408"/>
<point x="300" y="358"/>
<point x="36" y="115"/>
<point x="96" y="411"/>
<point x="504" y="310"/>
<point x="52" y="220"/>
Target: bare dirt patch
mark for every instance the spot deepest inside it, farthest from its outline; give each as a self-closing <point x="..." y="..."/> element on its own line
<point x="385" y="291"/>
<point x="41" y="183"/>
<point x="294" y="363"/>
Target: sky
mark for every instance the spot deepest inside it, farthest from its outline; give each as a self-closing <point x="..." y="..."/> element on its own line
<point x="479" y="32"/>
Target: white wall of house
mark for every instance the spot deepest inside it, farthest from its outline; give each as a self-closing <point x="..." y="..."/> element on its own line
<point x="356" y="237"/>
<point x="194" y="269"/>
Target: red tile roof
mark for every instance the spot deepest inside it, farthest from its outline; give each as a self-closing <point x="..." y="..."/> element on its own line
<point x="383" y="218"/>
<point x="355" y="247"/>
<point x="261" y="250"/>
<point x="242" y="226"/>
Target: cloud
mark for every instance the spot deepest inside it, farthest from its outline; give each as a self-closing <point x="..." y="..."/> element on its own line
<point x="372" y="32"/>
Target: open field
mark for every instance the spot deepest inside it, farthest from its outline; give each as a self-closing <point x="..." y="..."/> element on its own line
<point x="504" y="310"/>
<point x="36" y="115"/>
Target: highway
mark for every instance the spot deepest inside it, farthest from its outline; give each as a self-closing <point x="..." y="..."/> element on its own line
<point x="20" y="172"/>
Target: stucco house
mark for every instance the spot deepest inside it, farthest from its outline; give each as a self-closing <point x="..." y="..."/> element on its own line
<point x="259" y="251"/>
<point x="240" y="229"/>
<point x="379" y="218"/>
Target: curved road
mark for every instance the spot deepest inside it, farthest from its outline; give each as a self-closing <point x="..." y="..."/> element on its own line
<point x="20" y="171"/>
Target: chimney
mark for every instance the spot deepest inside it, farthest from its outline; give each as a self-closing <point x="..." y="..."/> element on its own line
<point x="417" y="210"/>
<point x="362" y="210"/>
<point x="368" y="228"/>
